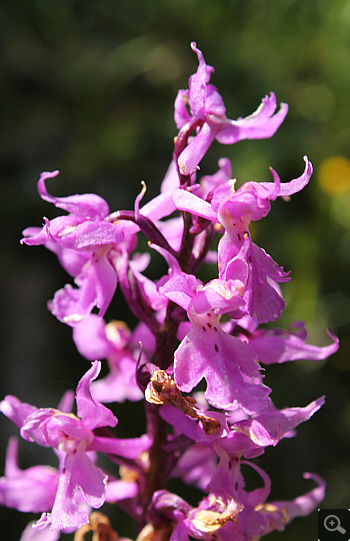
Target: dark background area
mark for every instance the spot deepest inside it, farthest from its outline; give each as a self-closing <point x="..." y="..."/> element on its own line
<point x="88" y="88"/>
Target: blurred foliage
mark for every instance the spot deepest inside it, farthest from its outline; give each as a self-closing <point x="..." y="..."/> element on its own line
<point x="88" y="87"/>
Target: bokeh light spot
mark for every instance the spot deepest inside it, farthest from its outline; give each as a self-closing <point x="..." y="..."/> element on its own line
<point x="334" y="175"/>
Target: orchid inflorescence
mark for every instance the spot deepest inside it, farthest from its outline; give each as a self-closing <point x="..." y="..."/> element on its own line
<point x="202" y="438"/>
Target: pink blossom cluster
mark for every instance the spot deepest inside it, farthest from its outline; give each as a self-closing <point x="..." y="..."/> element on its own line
<point x="188" y="331"/>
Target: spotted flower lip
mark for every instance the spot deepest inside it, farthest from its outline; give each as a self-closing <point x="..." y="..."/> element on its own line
<point x="226" y="363"/>
<point x="208" y="116"/>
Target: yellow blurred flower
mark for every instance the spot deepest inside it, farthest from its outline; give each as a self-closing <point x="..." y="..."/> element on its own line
<point x="334" y="175"/>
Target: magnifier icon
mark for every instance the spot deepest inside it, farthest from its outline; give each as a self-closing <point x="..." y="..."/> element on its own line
<point x="332" y="524"/>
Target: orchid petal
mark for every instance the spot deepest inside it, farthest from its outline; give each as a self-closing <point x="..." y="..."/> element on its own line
<point x="93" y="413"/>
<point x="86" y="205"/>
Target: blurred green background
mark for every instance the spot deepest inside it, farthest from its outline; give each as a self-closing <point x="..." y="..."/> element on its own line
<point x="88" y="88"/>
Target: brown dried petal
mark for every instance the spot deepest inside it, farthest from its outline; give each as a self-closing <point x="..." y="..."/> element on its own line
<point x="211" y="521"/>
<point x="100" y="525"/>
<point x="160" y="533"/>
<point x="163" y="390"/>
